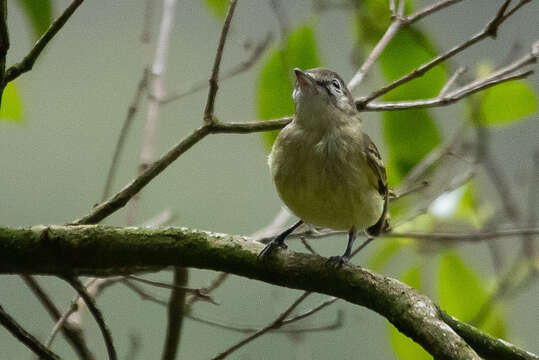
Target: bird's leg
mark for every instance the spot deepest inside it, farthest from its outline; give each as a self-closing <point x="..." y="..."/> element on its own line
<point x="279" y="239"/>
<point x="341" y="260"/>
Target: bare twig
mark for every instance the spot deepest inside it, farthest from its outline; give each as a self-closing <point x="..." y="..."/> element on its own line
<point x="249" y="329"/>
<point x="144" y="295"/>
<point x="533" y="198"/>
<point x="473" y="237"/>
<point x="449" y="83"/>
<point x="197" y="292"/>
<point x="156" y="83"/>
<point x="71" y="331"/>
<point x="218" y="281"/>
<point x="429" y="10"/>
<point x="398" y="22"/>
<point x="391" y="31"/>
<point x="26" y="338"/>
<point x="243" y="66"/>
<point x="62" y="321"/>
<point x="449" y="98"/>
<point x="488" y="31"/>
<point x="131" y="111"/>
<point x="4" y="44"/>
<point x="119" y="200"/>
<point x="93" y="287"/>
<point x="307" y="245"/>
<point x="275" y="324"/>
<point x="81" y="290"/>
<point x="28" y="61"/>
<point x="176" y="304"/>
<point x="210" y="102"/>
<point x="249" y="127"/>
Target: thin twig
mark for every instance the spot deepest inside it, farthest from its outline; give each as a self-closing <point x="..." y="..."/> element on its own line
<point x="156" y="87"/>
<point x="450" y="98"/>
<point x="26" y="338"/>
<point x="119" y="200"/>
<point x="28" y="61"/>
<point x="449" y="83"/>
<point x="144" y="295"/>
<point x="175" y="311"/>
<point x="410" y="19"/>
<point x="390" y="33"/>
<point x="71" y="331"/>
<point x="4" y="44"/>
<point x="131" y="111"/>
<point x="307" y="245"/>
<point x="533" y="198"/>
<point x="275" y="324"/>
<point x="471" y="237"/>
<point x="218" y="281"/>
<point x="398" y="22"/>
<point x="338" y="323"/>
<point x="62" y="321"/>
<point x="197" y="292"/>
<point x="488" y="31"/>
<point x="210" y="102"/>
<point x="243" y="66"/>
<point x="80" y="289"/>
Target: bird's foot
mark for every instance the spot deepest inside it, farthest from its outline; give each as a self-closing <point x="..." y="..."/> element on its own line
<point x="337" y="261"/>
<point x="270" y="246"/>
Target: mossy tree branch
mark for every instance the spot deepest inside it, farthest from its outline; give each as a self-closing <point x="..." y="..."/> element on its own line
<point x="106" y="251"/>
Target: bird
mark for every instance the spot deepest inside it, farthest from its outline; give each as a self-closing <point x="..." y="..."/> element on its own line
<point x="326" y="169"/>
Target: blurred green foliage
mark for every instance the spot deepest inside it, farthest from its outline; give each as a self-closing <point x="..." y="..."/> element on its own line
<point x="506" y="103"/>
<point x="275" y="83"/>
<point x="11" y="110"/>
<point x="462" y="293"/>
<point x="39" y="12"/>
<point x="217" y="7"/>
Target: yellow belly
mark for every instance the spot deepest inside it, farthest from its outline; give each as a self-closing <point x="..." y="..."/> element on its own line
<point x="325" y="188"/>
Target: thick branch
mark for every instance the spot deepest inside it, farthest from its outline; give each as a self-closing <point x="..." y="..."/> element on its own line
<point x="100" y="250"/>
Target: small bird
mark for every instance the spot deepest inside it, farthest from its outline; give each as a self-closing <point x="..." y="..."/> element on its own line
<point x="327" y="171"/>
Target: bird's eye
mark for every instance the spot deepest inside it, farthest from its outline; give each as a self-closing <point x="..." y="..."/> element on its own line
<point x="336" y="84"/>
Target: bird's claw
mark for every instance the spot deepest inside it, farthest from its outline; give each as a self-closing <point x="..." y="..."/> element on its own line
<point x="270" y="246"/>
<point x="337" y="261"/>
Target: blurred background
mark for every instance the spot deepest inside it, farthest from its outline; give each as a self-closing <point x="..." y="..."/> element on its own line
<point x="56" y="148"/>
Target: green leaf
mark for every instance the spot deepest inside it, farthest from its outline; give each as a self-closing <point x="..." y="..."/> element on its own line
<point x="409" y="136"/>
<point x="11" y="110"/>
<point x="275" y="84"/>
<point x="404" y="347"/>
<point x="407" y="50"/>
<point x="217" y="7"/>
<point x="506" y="103"/>
<point x="462" y="293"/>
<point x="40" y="14"/>
<point x="374" y="17"/>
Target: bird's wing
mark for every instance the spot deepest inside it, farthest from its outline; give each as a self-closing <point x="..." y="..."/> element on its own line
<point x="374" y="160"/>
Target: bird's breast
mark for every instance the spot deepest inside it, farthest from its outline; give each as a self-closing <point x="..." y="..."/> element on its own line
<point x="321" y="180"/>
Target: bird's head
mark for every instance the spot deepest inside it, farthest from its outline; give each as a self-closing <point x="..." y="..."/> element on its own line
<point x="320" y="95"/>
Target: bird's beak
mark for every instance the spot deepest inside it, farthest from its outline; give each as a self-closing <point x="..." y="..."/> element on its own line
<point x="304" y="79"/>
